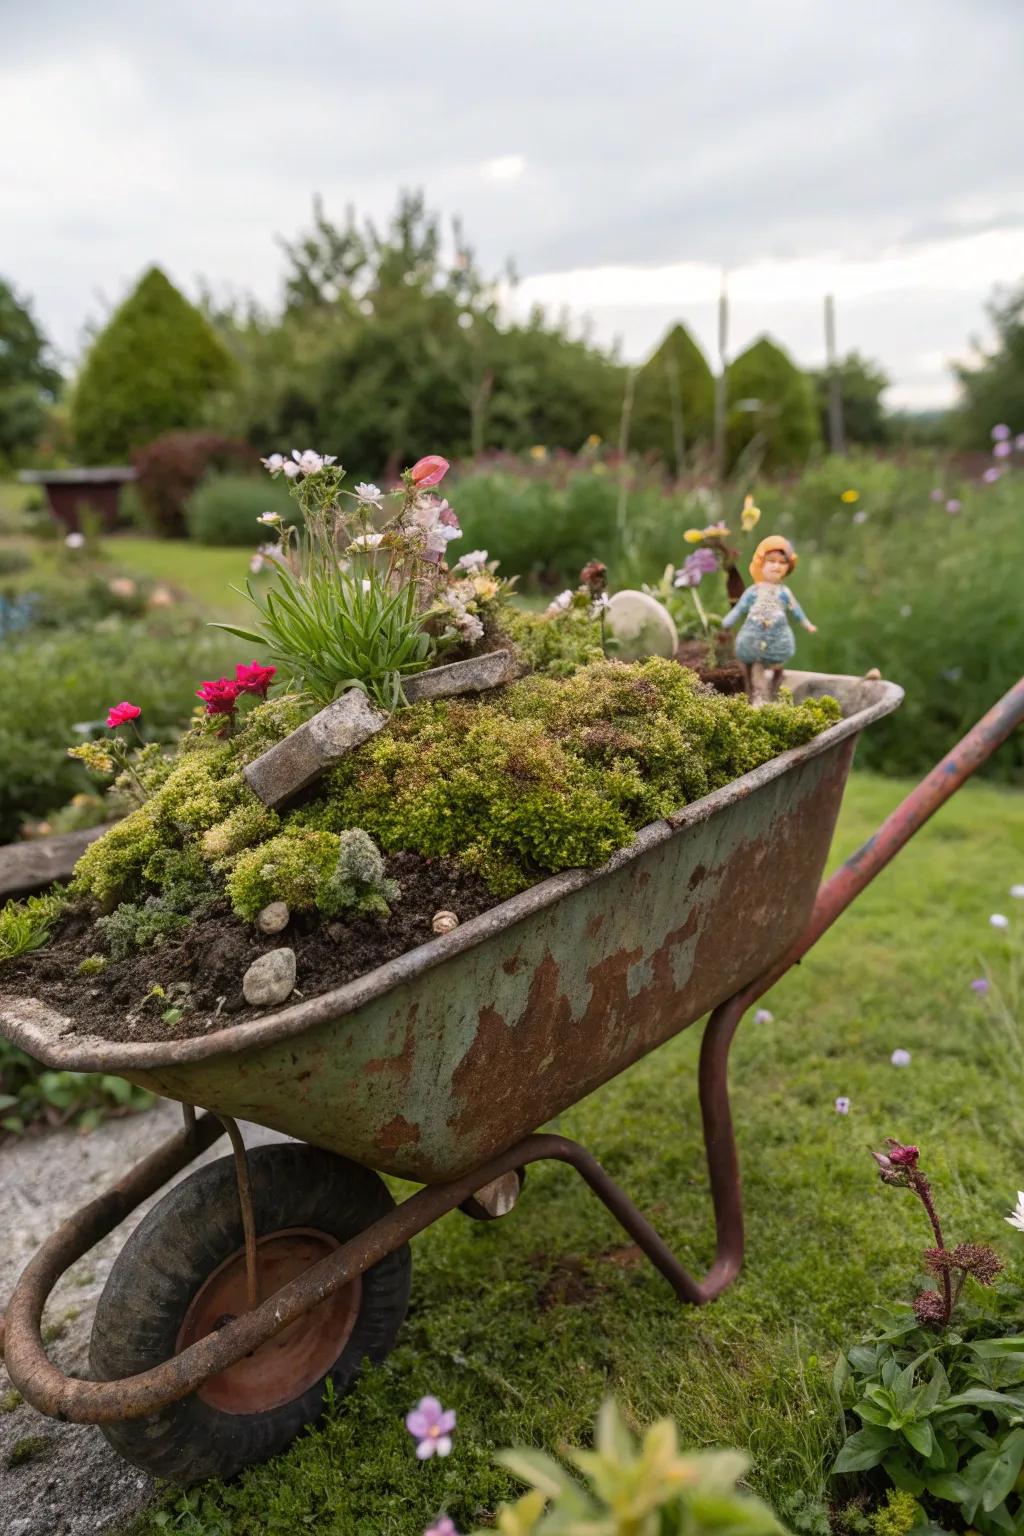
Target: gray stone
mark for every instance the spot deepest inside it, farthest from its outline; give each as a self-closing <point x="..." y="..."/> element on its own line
<point x="642" y="627"/>
<point x="475" y="675"/>
<point x="300" y="759"/>
<point x="33" y="865"/>
<point x="273" y="917"/>
<point x="270" y="978"/>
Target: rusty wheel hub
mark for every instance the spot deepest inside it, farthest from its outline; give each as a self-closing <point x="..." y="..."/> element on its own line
<point x="288" y="1364"/>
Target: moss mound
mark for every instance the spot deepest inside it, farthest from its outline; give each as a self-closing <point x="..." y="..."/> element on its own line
<point x="547" y="775"/>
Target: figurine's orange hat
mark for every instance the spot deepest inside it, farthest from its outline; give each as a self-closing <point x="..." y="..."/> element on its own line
<point x="773" y="544"/>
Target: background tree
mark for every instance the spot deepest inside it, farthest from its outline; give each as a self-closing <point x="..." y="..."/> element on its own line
<point x="29" y="378"/>
<point x="769" y="396"/>
<point x="155" y="366"/>
<point x="993" y="391"/>
<point x="674" y="399"/>
<point x="861" y="386"/>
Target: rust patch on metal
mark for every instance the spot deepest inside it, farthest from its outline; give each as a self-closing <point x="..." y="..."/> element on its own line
<point x="398" y="1133"/>
<point x="513" y="965"/>
<point x="698" y="875"/>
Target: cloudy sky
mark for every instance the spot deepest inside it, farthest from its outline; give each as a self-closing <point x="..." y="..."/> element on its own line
<point x="623" y="155"/>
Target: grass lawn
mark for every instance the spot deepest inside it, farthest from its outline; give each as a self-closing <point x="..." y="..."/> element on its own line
<point x="205" y="574"/>
<point x="523" y="1325"/>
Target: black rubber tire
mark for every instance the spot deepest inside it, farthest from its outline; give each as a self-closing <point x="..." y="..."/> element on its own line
<point x="193" y="1229"/>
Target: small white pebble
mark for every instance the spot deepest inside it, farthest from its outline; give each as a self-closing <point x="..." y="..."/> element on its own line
<point x="900" y="1058"/>
<point x="999" y="921"/>
<point x="764" y="1016"/>
<point x="444" y="922"/>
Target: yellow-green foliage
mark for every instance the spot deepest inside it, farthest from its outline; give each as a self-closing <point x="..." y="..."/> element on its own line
<point x="546" y="775"/>
<point x="556" y="643"/>
<point x="553" y="774"/>
<point x="898" y="1516"/>
<point x="292" y="867"/>
<point x="25" y="925"/>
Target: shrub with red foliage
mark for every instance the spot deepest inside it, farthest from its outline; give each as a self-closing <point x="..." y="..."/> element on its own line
<point x="170" y="468"/>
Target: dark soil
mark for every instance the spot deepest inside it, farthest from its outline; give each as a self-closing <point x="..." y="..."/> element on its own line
<point x="725" y="676"/>
<point x="201" y="972"/>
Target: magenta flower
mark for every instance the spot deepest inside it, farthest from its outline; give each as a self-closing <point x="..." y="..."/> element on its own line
<point x="429" y="471"/>
<point x="1000" y="433"/>
<point x="981" y="985"/>
<point x="1002" y="450"/>
<point x="444" y="1525"/>
<point x="220" y="696"/>
<point x="991" y="474"/>
<point x="120" y="714"/>
<point x="937" y="494"/>
<point x="252" y="678"/>
<point x="431" y="1426"/>
<point x="952" y="505"/>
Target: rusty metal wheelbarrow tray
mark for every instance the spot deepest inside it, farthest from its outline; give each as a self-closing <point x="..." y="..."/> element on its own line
<point x="433" y="1063"/>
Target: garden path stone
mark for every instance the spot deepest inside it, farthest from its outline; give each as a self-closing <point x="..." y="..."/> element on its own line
<point x="293" y="764"/>
<point x="77" y="1486"/>
<point x="270" y="979"/>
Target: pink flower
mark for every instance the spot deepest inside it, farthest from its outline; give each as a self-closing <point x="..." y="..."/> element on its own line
<point x="431" y="1426"/>
<point x="903" y="1157"/>
<point x="1002" y="450"/>
<point x="220" y="696"/>
<point x="981" y="985"/>
<point x="1000" y="432"/>
<point x="429" y="471"/>
<point x="991" y="474"/>
<point x="120" y="714"/>
<point x="442" y="1526"/>
<point x="936" y="494"/>
<point x="446" y="515"/>
<point x="252" y="678"/>
<point x="952" y="505"/>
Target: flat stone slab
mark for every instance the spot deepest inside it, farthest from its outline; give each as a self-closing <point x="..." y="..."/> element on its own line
<point x="31" y="866"/>
<point x="293" y="764"/>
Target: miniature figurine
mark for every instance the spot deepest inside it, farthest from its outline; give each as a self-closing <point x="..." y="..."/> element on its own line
<point x="765" y="642"/>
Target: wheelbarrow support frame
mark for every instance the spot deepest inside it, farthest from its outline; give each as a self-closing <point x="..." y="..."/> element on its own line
<point x="53" y="1393"/>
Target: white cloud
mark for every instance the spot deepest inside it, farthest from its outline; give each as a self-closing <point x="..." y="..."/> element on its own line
<point x="504" y="168"/>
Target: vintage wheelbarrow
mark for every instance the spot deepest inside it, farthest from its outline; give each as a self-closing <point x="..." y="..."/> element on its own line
<point x="261" y="1276"/>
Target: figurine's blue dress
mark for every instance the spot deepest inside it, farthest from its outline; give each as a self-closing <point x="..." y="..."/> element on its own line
<point x="765" y="636"/>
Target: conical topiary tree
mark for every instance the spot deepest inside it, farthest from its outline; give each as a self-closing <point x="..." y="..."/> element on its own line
<point x="768" y="394"/>
<point x="150" y="370"/>
<point x="674" y="399"/>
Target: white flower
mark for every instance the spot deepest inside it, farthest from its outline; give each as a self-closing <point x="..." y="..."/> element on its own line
<point x="311" y="463"/>
<point x="472" y="560"/>
<point x="906" y="611"/>
<point x="999" y="921"/>
<point x="469" y="626"/>
<point x="367" y="541"/>
<point x="424" y="511"/>
<point x="439" y="536"/>
<point x="682" y="579"/>
<point x="367" y="584"/>
<point x="274" y="462"/>
<point x="291" y="469"/>
<point x="1017" y="891"/>
<point x="561" y="602"/>
<point x="900" y="1058"/>
<point x="763" y="1016"/>
<point x="270" y="518"/>
<point x="370" y="495"/>
<point x="842" y="1105"/>
<point x="600" y="605"/>
<point x="861" y="516"/>
<point x="75" y="540"/>
<point x="1016" y="1217"/>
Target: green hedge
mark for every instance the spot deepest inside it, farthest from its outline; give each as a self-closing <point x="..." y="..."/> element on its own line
<point x="224" y="508"/>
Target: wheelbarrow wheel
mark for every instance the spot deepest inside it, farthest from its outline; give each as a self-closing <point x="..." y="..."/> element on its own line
<point x="182" y="1274"/>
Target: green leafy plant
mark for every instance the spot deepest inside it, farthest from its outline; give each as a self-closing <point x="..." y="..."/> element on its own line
<point x="358" y="883"/>
<point x="631" y="1488"/>
<point x="30" y="1094"/>
<point x="25" y="925"/>
<point x="939" y="1388"/>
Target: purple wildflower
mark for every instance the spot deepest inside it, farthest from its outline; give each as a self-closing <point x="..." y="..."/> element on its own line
<point x="444" y="1525"/>
<point x="431" y="1426"/>
<point x="1002" y="450"/>
<point x="952" y="505"/>
<point x="992" y="474"/>
<point x="981" y="985"/>
<point x="900" y="1058"/>
<point x="696" y="566"/>
<point x="1000" y="432"/>
<point x="937" y="493"/>
<point x="764" y="1016"/>
<point x="842" y="1105"/>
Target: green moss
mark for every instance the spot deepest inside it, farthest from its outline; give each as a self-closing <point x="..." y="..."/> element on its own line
<point x="248" y="824"/>
<point x="112" y="866"/>
<point x="10" y="1400"/>
<point x="292" y="867"/>
<point x="25" y="925"/>
<point x="132" y="926"/>
<point x="899" y="1515"/>
<point x="556" y="644"/>
<point x="555" y="774"/>
<point x="28" y="1449"/>
<point x="358" y="883"/>
<point x="92" y="965"/>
